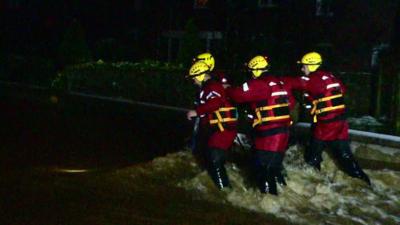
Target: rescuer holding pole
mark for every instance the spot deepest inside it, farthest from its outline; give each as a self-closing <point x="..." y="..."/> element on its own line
<point x="218" y="121"/>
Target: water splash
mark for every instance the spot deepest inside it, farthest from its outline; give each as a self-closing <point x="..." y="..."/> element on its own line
<point x="310" y="197"/>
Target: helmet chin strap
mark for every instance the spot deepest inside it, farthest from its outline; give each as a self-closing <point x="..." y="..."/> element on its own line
<point x="206" y="77"/>
<point x="261" y="70"/>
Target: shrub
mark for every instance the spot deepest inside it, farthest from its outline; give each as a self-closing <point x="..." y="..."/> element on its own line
<point x="150" y="81"/>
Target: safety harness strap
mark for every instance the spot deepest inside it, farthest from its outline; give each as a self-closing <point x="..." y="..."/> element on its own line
<point x="277" y="114"/>
<point x="324" y="99"/>
<point x="220" y="119"/>
<point x="271" y="107"/>
<point x="318" y="109"/>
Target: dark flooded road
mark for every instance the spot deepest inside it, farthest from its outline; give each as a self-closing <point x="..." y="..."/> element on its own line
<point x="75" y="160"/>
<point x="84" y="132"/>
<point x="86" y="161"/>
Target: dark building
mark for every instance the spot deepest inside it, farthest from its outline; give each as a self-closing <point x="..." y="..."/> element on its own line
<point x="336" y="28"/>
<point x="345" y="30"/>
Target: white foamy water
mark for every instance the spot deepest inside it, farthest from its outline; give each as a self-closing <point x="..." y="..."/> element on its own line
<point x="310" y="197"/>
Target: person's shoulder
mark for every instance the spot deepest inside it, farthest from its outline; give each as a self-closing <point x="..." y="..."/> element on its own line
<point x="321" y="73"/>
<point x="324" y="75"/>
<point x="317" y="75"/>
<point x="220" y="76"/>
<point x="255" y="82"/>
<point x="214" y="84"/>
<point x="273" y="77"/>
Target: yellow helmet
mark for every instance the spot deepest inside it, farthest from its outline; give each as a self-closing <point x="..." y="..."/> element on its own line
<point x="198" y="71"/>
<point x="207" y="58"/>
<point x="312" y="60"/>
<point x="258" y="65"/>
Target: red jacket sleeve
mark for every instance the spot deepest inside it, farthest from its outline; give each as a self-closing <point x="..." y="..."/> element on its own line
<point x="295" y="83"/>
<point x="213" y="99"/>
<point x="210" y="106"/>
<point x="249" y="92"/>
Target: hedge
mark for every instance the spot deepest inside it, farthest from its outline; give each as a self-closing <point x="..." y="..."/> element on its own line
<point x="149" y="81"/>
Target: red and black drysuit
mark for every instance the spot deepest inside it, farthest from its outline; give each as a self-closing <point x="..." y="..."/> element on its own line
<point x="220" y="76"/>
<point x="329" y="126"/>
<point x="269" y="103"/>
<point x="218" y="119"/>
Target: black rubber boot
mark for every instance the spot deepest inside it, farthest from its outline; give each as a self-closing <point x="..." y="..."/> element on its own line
<point x="266" y="182"/>
<point x="341" y="150"/>
<point x="268" y="167"/>
<point x="313" y="154"/>
<point x="279" y="177"/>
<point x="219" y="176"/>
<point x="351" y="167"/>
<point x="216" y="168"/>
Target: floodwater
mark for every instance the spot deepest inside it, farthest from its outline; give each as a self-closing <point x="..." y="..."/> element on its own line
<point x="311" y="197"/>
<point x="93" y="163"/>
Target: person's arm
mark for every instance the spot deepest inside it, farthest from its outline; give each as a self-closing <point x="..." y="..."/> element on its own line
<point x="213" y="100"/>
<point x="297" y="83"/>
<point x="248" y="92"/>
<point x="210" y="106"/>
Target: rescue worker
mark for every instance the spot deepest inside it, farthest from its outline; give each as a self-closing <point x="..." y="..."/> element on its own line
<point x="329" y="126"/>
<point x="269" y="103"/>
<point x="218" y="121"/>
<point x="209" y="59"/>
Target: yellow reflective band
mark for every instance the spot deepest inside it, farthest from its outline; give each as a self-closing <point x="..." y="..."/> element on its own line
<point x="271" y="118"/>
<point x="261" y="119"/>
<point x="312" y="112"/>
<point x="219" y="117"/>
<point x="327" y="109"/>
<point x="221" y="128"/>
<point x="256" y="122"/>
<point x="258" y="114"/>
<point x="314" y="108"/>
<point x="223" y="120"/>
<point x="327" y="98"/>
<point x="226" y="109"/>
<point x="271" y="107"/>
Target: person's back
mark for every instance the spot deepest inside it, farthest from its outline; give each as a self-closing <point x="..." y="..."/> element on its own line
<point x="270" y="110"/>
<point x="277" y="99"/>
<point x="329" y="125"/>
<point x="329" y="91"/>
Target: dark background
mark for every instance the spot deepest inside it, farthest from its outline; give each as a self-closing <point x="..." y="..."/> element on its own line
<point x="345" y="31"/>
<point x="358" y="39"/>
